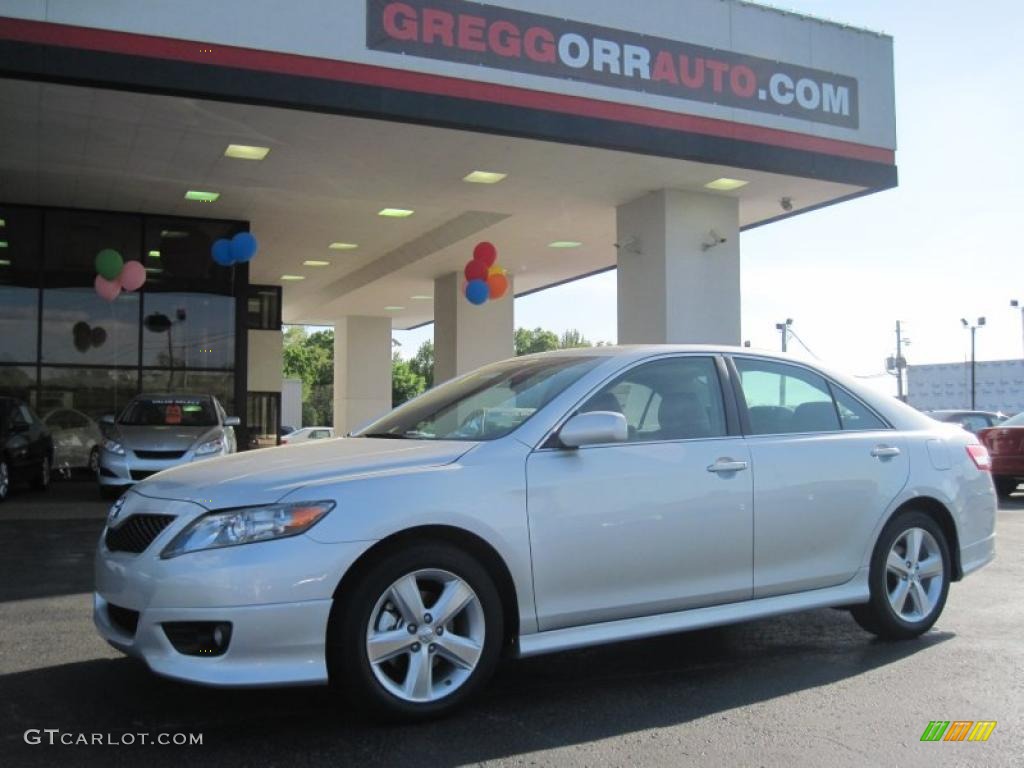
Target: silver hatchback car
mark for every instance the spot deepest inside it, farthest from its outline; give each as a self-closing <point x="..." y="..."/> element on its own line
<point x="156" y="432"/>
<point x="545" y="503"/>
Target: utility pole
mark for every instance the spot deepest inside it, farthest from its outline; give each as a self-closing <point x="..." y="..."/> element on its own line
<point x="974" y="386"/>
<point x="901" y="363"/>
<point x="783" y="328"/>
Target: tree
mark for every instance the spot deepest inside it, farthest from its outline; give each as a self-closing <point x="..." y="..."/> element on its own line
<point x="423" y="363"/>
<point x="406" y="383"/>
<point x="528" y="342"/>
<point x="310" y="357"/>
<point x="573" y="339"/>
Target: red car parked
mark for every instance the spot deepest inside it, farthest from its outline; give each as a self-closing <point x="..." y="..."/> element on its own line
<point x="1005" y="445"/>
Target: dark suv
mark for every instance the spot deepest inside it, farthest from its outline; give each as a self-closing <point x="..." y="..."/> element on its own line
<point x="26" y="448"/>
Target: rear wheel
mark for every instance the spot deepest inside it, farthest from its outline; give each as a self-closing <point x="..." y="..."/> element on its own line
<point x="1005" y="486"/>
<point x="5" y="480"/>
<point x="41" y="479"/>
<point x="909" y="578"/>
<point x="417" y="635"/>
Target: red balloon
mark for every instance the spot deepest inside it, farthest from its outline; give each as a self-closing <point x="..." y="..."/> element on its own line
<point x="498" y="285"/>
<point x="485" y="252"/>
<point x="476" y="270"/>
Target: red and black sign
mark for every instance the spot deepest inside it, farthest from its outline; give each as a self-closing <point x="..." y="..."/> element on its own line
<point x="486" y="35"/>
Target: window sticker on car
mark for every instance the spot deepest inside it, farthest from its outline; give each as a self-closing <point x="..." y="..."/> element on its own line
<point x="172" y="414"/>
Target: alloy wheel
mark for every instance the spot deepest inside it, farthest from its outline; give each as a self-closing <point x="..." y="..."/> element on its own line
<point x="914" y="575"/>
<point x="425" y="636"/>
<point x="94" y="461"/>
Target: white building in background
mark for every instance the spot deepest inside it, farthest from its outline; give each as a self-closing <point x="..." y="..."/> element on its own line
<point x="999" y="386"/>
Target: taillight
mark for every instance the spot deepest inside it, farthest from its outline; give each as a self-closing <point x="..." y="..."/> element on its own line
<point x="979" y="455"/>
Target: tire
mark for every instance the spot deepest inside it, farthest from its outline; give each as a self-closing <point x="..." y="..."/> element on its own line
<point x="887" y="577"/>
<point x="5" y="480"/>
<point x="378" y="604"/>
<point x="94" y="461"/>
<point x="1005" y="486"/>
<point x="42" y="476"/>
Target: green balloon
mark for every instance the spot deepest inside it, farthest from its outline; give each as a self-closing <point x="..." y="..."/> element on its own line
<point x="109" y="263"/>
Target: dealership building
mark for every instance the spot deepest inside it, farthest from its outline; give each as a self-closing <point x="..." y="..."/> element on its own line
<point x="369" y="145"/>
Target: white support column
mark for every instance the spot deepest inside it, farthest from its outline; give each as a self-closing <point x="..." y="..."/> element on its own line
<point x="468" y="336"/>
<point x="362" y="371"/>
<point x="673" y="290"/>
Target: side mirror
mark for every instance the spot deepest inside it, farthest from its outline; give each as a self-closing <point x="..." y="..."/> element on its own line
<point x="107" y="419"/>
<point x="232" y="421"/>
<point x="594" y="428"/>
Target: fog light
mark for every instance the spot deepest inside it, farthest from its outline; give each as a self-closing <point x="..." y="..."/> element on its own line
<point x="199" y="638"/>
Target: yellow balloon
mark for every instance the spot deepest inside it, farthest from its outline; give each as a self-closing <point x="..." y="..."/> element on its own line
<point x="495" y="270"/>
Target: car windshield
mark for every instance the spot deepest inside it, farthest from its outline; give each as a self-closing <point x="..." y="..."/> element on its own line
<point x="486" y="404"/>
<point x="169" y="411"/>
<point x="1014" y="421"/>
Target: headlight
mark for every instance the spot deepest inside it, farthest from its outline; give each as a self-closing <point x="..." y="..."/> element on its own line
<point x="211" y="446"/>
<point x="247" y="525"/>
<point x="113" y="446"/>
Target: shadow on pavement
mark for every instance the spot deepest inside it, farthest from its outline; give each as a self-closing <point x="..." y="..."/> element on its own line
<point x="535" y="704"/>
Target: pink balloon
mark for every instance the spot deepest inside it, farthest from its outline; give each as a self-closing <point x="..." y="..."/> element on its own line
<point x="108" y="290"/>
<point x="133" y="275"/>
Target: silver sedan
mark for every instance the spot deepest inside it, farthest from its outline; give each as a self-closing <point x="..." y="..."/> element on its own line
<point x="540" y="504"/>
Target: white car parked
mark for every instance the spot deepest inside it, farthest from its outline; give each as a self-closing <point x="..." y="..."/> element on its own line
<point x="307" y="433"/>
<point x="76" y="440"/>
<point x="539" y="504"/>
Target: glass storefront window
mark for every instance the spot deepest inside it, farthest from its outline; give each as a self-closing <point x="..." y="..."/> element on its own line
<point x="188" y="330"/>
<point x="177" y="255"/>
<point x="178" y="382"/>
<point x="18" y="381"/>
<point x="92" y="391"/>
<point x="264" y="308"/>
<point x="19" y="283"/>
<point x="81" y="328"/>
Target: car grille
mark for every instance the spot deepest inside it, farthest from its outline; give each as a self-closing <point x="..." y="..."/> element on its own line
<point x="159" y="454"/>
<point x="124" y="619"/>
<point x="136" y="533"/>
<point x="142" y="474"/>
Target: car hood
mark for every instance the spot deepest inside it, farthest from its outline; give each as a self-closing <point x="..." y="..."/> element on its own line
<point x="265" y="476"/>
<point x="162" y="438"/>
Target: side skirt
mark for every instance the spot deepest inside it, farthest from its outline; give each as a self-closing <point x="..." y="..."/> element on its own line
<point x="537" y="643"/>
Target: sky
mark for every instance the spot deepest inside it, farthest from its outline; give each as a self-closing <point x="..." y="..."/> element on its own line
<point x="941" y="246"/>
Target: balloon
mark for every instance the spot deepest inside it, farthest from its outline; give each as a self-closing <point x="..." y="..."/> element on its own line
<point x="108" y="290"/>
<point x="243" y="247"/>
<point x="133" y="276"/>
<point x="222" y="252"/>
<point x="477" y="292"/>
<point x="81" y="334"/>
<point x="476" y="270"/>
<point x="495" y="270"/>
<point x="109" y="263"/>
<point x="497" y="285"/>
<point x="486" y="252"/>
<point x="98" y="337"/>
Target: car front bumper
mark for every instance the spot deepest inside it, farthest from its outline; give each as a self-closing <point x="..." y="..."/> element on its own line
<point x="276" y="595"/>
<point x="124" y="470"/>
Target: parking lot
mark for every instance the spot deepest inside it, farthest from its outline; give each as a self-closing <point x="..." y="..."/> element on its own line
<point x="789" y="691"/>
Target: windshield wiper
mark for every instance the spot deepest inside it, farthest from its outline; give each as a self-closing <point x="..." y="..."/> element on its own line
<point x="386" y="435"/>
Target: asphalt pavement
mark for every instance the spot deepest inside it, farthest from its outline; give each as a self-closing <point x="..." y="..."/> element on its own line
<point x="807" y="689"/>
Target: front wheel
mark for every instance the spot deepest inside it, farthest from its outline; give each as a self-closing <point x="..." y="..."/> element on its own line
<point x="41" y="480"/>
<point x="418" y="634"/>
<point x="909" y="578"/>
<point x="94" y="461"/>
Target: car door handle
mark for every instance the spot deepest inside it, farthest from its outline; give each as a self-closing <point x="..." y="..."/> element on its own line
<point x="726" y="465"/>
<point x="885" y="451"/>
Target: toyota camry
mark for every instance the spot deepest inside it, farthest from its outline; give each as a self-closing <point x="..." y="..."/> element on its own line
<point x="540" y="504"/>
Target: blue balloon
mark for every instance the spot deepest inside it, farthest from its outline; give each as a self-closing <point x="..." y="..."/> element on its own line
<point x="221" y="253"/>
<point x="477" y="291"/>
<point x="244" y="246"/>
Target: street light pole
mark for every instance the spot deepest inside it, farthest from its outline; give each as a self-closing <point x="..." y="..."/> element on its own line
<point x="973" y="328"/>
<point x="783" y="328"/>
